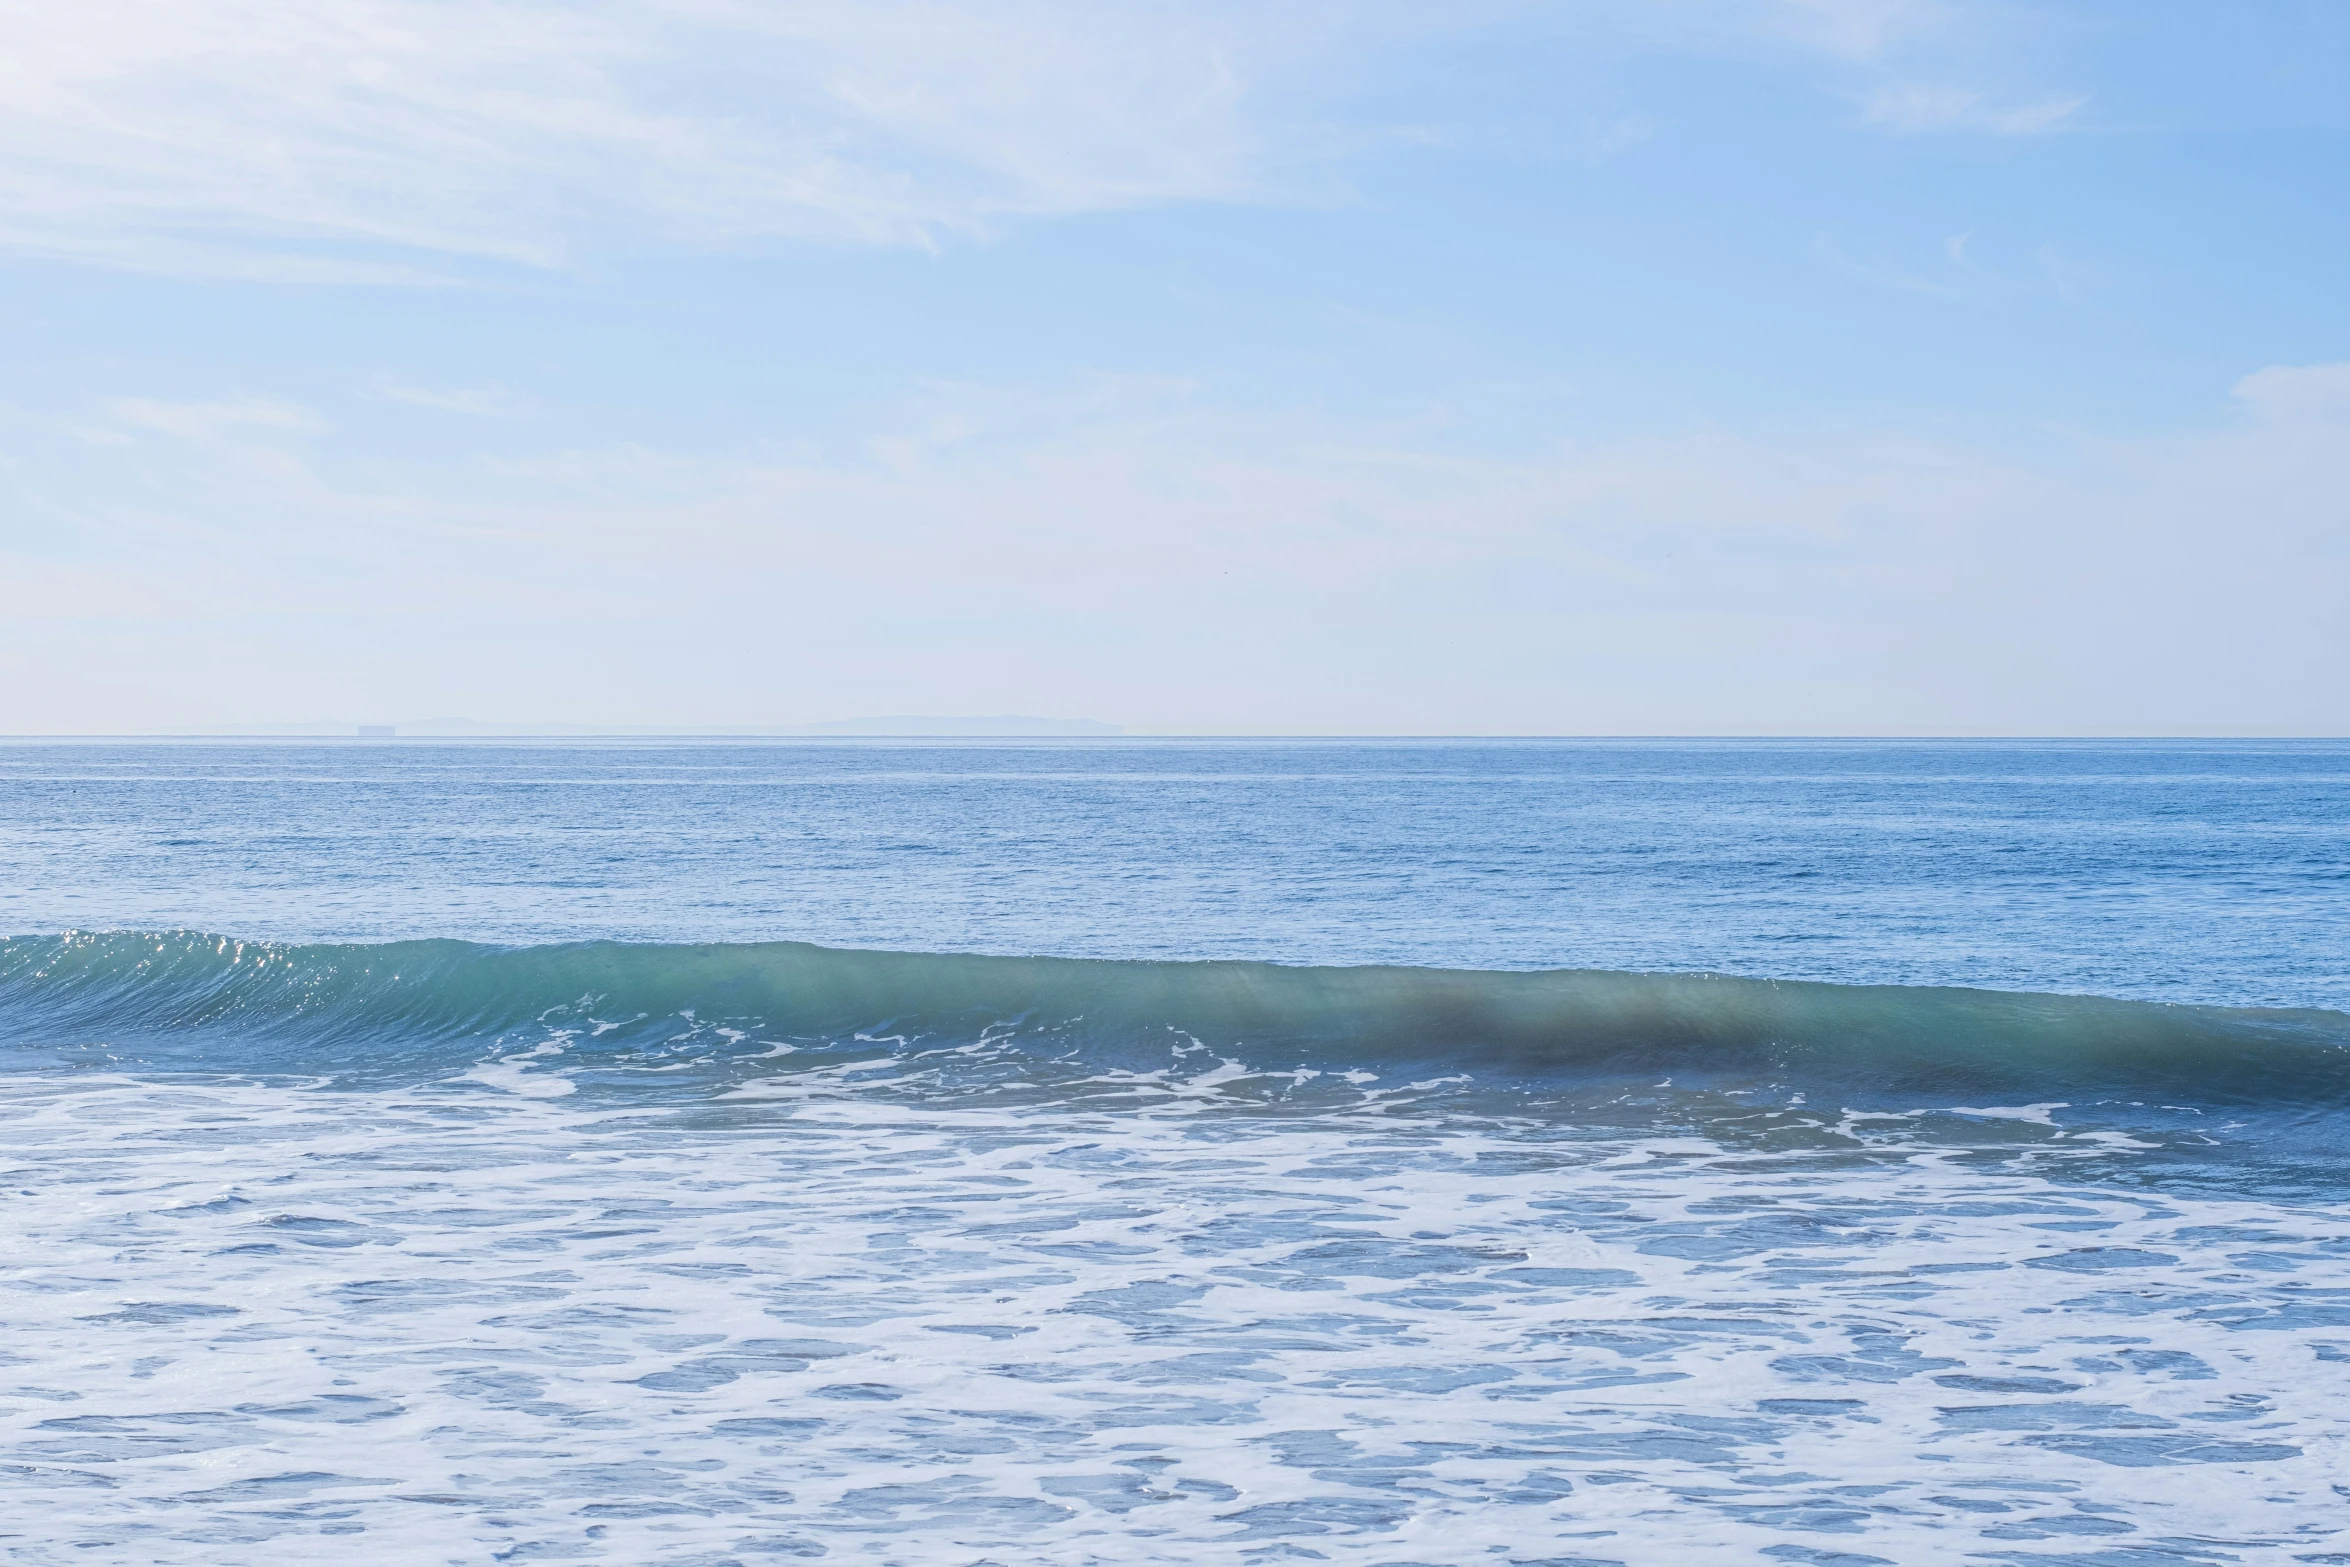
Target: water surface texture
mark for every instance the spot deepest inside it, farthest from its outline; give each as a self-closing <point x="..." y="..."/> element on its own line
<point x="2182" y="872"/>
<point x="1225" y="1153"/>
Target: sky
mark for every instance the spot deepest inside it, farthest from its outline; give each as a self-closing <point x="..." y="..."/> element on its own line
<point x="1584" y="367"/>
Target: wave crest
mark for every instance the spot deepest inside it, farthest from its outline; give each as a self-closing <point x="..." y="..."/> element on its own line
<point x="226" y="1004"/>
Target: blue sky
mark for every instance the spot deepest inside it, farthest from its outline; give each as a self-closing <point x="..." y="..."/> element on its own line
<point x="1843" y="366"/>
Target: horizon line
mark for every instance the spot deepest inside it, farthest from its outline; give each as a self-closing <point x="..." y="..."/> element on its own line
<point x="781" y="736"/>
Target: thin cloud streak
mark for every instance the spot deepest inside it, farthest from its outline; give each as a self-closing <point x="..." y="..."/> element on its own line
<point x="363" y="138"/>
<point x="1916" y="110"/>
<point x="204" y="421"/>
<point x="410" y="142"/>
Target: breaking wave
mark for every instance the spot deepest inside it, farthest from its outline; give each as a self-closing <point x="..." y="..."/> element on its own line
<point x="215" y="1003"/>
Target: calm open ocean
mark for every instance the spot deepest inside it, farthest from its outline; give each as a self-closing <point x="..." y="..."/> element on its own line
<point x="1207" y="1152"/>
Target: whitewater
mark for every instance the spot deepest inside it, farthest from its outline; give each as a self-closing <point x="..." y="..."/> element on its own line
<point x="1227" y="1153"/>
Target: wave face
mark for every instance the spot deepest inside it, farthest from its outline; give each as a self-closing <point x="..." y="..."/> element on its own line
<point x="205" y="1002"/>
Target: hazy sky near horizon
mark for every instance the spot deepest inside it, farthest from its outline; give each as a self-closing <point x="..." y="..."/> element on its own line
<point x="1488" y="367"/>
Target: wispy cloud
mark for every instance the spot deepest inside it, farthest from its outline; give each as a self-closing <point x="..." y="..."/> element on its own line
<point x="365" y="138"/>
<point x="1914" y="109"/>
<point x="1856" y="29"/>
<point x="2298" y="393"/>
<point x="477" y="401"/>
<point x="1912" y="66"/>
<point x="208" y="420"/>
<point x="403" y="141"/>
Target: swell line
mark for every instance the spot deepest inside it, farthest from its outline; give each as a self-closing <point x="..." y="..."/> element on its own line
<point x="268" y="1006"/>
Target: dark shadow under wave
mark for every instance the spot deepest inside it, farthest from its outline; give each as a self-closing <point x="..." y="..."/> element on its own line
<point x="219" y="1004"/>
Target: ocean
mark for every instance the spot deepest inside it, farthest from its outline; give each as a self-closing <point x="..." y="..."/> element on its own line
<point x="1206" y="1152"/>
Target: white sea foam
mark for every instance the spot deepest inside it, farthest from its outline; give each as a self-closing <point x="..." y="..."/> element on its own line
<point x="2032" y="1115"/>
<point x="516" y="1073"/>
<point x="455" y="1326"/>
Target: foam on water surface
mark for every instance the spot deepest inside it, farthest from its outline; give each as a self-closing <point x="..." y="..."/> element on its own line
<point x="510" y="1179"/>
<point x="829" y="1314"/>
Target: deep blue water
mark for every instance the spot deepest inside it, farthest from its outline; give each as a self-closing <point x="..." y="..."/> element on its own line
<point x="2184" y="871"/>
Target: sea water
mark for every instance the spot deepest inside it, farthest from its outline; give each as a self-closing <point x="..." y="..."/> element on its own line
<point x="1217" y="1152"/>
